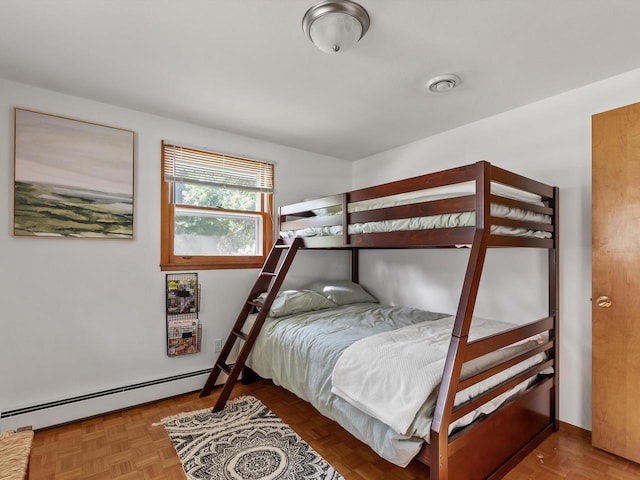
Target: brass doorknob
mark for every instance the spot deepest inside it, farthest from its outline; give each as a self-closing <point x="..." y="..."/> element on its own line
<point x="603" y="301"/>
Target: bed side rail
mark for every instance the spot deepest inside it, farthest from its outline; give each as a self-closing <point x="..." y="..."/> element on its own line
<point x="319" y="212"/>
<point x="433" y="207"/>
<point x="478" y="348"/>
<point x="477" y="402"/>
<point x="422" y="182"/>
<point x="510" y="202"/>
<point x="531" y="222"/>
<point x="515" y="180"/>
<point x="483" y="173"/>
<point x="527" y="224"/>
<point x="306" y="208"/>
<point x="330" y="211"/>
<point x="309" y="221"/>
<point x="453" y="176"/>
<point x="333" y="211"/>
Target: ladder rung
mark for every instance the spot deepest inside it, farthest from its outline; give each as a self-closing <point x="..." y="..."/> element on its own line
<point x="239" y="334"/>
<point x="274" y="270"/>
<point x="224" y="367"/>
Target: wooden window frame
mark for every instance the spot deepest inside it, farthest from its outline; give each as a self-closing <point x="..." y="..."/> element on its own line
<point x="171" y="262"/>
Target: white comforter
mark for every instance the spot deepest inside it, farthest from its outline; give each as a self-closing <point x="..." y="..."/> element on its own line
<point x="394" y="375"/>
<point x="299" y="352"/>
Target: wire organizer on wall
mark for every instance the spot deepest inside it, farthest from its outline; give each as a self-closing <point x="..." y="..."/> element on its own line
<point x="184" y="331"/>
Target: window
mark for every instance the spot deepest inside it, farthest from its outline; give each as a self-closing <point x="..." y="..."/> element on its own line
<point x="216" y="210"/>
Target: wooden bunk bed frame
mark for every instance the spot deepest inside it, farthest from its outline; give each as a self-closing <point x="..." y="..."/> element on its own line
<point x="490" y="446"/>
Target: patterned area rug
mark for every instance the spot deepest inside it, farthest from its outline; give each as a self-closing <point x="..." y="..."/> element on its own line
<point x="245" y="441"/>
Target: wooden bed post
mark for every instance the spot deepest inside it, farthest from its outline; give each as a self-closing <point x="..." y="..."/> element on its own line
<point x="439" y="466"/>
<point x="345" y="218"/>
<point x="355" y="265"/>
<point x="554" y="306"/>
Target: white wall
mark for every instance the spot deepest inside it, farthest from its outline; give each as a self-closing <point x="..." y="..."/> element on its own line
<point x="550" y="141"/>
<point x="81" y="316"/>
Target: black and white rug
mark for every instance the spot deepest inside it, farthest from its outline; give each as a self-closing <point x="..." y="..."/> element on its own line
<point x="245" y="441"/>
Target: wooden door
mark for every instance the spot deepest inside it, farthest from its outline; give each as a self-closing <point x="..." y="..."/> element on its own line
<point x="616" y="281"/>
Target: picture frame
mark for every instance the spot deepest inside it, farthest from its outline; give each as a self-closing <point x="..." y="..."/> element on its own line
<point x="72" y="178"/>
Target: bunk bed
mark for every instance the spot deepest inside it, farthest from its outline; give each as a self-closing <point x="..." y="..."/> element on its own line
<point x="477" y="206"/>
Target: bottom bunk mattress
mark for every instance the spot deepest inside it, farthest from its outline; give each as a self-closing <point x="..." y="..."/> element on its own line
<point x="299" y="352"/>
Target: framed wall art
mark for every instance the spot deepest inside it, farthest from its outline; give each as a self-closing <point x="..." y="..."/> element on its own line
<point x="71" y="178"/>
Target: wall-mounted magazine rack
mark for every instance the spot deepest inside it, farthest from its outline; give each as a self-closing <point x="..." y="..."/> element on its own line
<point x="184" y="332"/>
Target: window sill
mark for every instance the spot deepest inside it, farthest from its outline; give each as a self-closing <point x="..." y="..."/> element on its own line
<point x="198" y="264"/>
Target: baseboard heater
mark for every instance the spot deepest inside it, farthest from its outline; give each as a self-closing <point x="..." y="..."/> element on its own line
<point x="103" y="393"/>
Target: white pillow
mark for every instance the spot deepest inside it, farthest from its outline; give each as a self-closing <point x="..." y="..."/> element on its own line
<point x="288" y="302"/>
<point x="342" y="292"/>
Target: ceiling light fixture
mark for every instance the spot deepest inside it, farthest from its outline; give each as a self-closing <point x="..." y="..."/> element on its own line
<point x="443" y="83"/>
<point x="335" y="25"/>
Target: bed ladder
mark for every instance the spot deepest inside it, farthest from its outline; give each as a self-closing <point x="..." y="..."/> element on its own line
<point x="269" y="280"/>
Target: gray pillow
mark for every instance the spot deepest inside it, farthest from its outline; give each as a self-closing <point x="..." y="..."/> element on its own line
<point x="342" y="292"/>
<point x="288" y="302"/>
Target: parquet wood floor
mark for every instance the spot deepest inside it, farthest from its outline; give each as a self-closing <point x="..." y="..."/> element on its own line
<point x="125" y="446"/>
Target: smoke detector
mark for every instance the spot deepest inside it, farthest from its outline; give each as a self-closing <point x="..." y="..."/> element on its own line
<point x="443" y="83"/>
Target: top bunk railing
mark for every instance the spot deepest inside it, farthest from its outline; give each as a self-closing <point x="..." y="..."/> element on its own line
<point x="440" y="209"/>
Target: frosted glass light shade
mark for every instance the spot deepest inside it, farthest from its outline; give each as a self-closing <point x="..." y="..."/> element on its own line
<point x="335" y="25"/>
<point x="335" y="32"/>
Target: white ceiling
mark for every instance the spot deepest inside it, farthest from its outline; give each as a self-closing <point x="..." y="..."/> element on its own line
<point x="245" y="66"/>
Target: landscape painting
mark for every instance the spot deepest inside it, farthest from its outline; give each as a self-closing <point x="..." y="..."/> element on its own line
<point x="71" y="178"/>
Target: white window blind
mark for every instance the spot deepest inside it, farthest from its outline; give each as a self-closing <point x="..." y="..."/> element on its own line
<point x="191" y="166"/>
